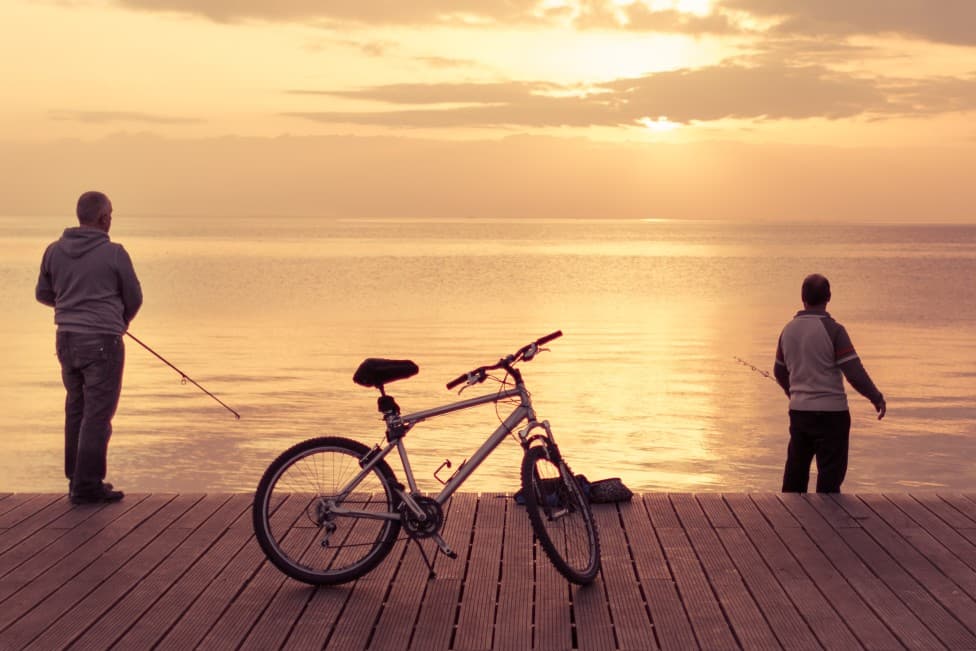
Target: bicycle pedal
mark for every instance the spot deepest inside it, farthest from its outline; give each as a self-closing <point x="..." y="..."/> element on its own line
<point x="444" y="549"/>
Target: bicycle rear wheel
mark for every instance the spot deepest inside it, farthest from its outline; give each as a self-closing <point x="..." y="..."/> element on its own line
<point x="560" y="514"/>
<point x="293" y="518"/>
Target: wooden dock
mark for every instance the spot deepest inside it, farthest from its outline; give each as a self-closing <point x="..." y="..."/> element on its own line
<point x="708" y="571"/>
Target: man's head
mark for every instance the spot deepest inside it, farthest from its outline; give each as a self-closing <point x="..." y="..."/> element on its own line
<point x="815" y="291"/>
<point x="94" y="210"/>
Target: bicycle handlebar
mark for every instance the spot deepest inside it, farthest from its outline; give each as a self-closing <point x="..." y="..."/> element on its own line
<point x="479" y="374"/>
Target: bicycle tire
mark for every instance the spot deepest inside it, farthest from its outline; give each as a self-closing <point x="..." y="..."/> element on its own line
<point x="560" y="514"/>
<point x="287" y="512"/>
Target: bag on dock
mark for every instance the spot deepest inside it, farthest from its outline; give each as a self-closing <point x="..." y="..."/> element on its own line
<point x="602" y="491"/>
<point x="613" y="489"/>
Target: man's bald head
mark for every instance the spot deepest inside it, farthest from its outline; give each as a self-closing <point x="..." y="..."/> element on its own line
<point x="815" y="290"/>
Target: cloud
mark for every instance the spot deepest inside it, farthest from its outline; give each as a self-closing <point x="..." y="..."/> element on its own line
<point x="765" y="92"/>
<point x="130" y="117"/>
<point x="942" y="21"/>
<point x="373" y="12"/>
<point x="637" y="16"/>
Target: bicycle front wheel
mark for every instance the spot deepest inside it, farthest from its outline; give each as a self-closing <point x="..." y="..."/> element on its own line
<point x="294" y="512"/>
<point x="560" y="515"/>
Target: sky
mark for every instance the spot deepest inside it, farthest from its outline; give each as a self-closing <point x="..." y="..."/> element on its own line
<point x="826" y="110"/>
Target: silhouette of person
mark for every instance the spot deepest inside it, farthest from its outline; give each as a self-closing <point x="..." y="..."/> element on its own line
<point x="813" y="356"/>
<point x="92" y="286"/>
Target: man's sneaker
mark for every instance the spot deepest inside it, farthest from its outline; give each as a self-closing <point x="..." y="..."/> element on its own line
<point x="104" y="495"/>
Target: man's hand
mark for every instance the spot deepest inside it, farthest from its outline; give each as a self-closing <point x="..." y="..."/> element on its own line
<point x="881" y="408"/>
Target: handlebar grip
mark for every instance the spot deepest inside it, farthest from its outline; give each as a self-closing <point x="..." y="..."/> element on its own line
<point x="549" y="337"/>
<point x="456" y="381"/>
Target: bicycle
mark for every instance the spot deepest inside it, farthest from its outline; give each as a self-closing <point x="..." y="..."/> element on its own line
<point x="328" y="510"/>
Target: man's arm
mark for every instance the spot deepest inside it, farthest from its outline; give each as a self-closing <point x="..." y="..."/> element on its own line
<point x="44" y="292"/>
<point x="850" y="364"/>
<point x="780" y="372"/>
<point x="858" y="377"/>
<point x="131" y="290"/>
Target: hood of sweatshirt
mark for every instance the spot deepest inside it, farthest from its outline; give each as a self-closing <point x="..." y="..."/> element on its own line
<point x="77" y="241"/>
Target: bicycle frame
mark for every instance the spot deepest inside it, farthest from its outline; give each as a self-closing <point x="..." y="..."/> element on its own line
<point x="523" y="412"/>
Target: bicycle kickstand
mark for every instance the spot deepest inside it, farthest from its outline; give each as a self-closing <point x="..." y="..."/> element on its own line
<point x="441" y="547"/>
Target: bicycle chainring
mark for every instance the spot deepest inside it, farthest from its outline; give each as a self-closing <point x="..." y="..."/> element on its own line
<point x="423" y="528"/>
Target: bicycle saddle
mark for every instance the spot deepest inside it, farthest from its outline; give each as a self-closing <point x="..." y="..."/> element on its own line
<point x="375" y="372"/>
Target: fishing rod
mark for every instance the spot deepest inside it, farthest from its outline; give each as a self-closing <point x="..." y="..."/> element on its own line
<point x="183" y="376"/>
<point x="761" y="372"/>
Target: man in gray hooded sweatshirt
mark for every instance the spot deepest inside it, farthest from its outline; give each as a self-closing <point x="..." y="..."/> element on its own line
<point x="93" y="288"/>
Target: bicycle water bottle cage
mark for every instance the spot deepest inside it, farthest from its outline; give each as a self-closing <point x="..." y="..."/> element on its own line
<point x="375" y="372"/>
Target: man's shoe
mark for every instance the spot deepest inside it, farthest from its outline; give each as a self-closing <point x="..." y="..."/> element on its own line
<point x="105" y="486"/>
<point x="102" y="496"/>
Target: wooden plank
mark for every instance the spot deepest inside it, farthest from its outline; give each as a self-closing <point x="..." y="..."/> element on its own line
<point x="704" y="612"/>
<point x="74" y="544"/>
<point x="824" y="622"/>
<point x="60" y="596"/>
<point x="207" y="572"/>
<point x="964" y="505"/>
<point x="717" y="512"/>
<point x="774" y="509"/>
<point x="838" y="572"/>
<point x="953" y="552"/>
<point x="32" y="581"/>
<point x="513" y="629"/>
<point x="907" y="570"/>
<point x="250" y="604"/>
<point x="205" y="613"/>
<point x="23" y="507"/>
<point x="130" y="574"/>
<point x="149" y="598"/>
<point x="16" y="500"/>
<point x="27" y="549"/>
<point x="553" y="606"/>
<point x="744" y="615"/>
<point x="276" y="603"/>
<point x="774" y="602"/>
<point x="591" y="615"/>
<point x="476" y="618"/>
<point x="909" y="630"/>
<point x="438" y="613"/>
<point x="669" y="619"/>
<point x="943" y="506"/>
<point x="863" y="622"/>
<point x="354" y="628"/>
<point x="395" y="626"/>
<point x="33" y="523"/>
<point x="631" y="618"/>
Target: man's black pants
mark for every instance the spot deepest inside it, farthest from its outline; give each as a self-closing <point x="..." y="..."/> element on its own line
<point x="91" y="369"/>
<point x="821" y="434"/>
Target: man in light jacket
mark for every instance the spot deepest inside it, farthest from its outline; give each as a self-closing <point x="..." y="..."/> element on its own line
<point x="813" y="356"/>
<point x="92" y="286"/>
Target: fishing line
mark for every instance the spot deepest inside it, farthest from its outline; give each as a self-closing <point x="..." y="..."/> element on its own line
<point x="758" y="370"/>
<point x="184" y="378"/>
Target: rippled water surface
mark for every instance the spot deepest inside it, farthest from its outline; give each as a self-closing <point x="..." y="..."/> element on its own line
<point x="274" y="315"/>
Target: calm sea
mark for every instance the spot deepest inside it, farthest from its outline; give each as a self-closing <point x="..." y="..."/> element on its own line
<point x="274" y="314"/>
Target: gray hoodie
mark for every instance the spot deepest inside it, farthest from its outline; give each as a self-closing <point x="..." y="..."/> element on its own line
<point x="90" y="282"/>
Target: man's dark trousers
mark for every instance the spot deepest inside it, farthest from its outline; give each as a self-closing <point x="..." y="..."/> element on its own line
<point x="821" y="434"/>
<point x="91" y="369"/>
